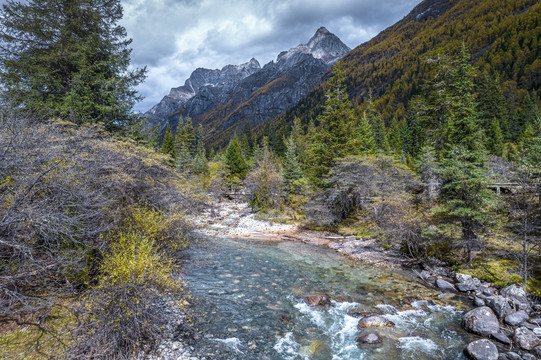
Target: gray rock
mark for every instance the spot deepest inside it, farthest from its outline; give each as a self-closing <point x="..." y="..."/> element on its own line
<point x="467" y="279"/>
<point x="516" y="318"/>
<point x="526" y="339"/>
<point x="528" y="357"/>
<point x="486" y="290"/>
<point x="502" y="357"/>
<point x="517" y="296"/>
<point x="374" y="321"/>
<point x="537" y="331"/>
<point x="481" y="321"/>
<point x="440" y="271"/>
<point x="501" y="337"/>
<point x="537" y="351"/>
<point x="513" y="290"/>
<point x="370" y="338"/>
<point x="465" y="287"/>
<point x="482" y="350"/>
<point x="500" y="305"/>
<point x="513" y="356"/>
<point x="478" y="301"/>
<point x="424" y="275"/>
<point x="445" y="285"/>
<point x="535" y="321"/>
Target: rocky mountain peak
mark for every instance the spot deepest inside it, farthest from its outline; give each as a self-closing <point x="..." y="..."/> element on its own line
<point x="322" y="45"/>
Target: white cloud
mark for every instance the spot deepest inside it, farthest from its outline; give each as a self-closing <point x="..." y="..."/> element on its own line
<point x="174" y="37"/>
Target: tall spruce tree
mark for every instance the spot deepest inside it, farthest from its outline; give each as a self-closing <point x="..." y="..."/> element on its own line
<point x="168" y="146"/>
<point x="492" y="111"/>
<point x="335" y="136"/>
<point x="378" y="126"/>
<point x="291" y="167"/>
<point x="234" y="162"/>
<point x="365" y="138"/>
<point x="68" y="59"/>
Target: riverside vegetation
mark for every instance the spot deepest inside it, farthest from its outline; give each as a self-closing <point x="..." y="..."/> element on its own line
<point x="93" y="204"/>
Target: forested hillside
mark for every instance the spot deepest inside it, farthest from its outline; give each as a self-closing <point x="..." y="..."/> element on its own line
<point x="503" y="38"/>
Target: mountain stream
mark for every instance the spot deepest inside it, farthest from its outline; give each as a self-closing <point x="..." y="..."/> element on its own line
<point x="248" y="298"/>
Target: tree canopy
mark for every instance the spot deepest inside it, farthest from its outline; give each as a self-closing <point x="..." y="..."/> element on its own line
<point x="68" y="59"/>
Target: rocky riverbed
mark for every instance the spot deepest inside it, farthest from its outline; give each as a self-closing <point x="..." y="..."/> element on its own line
<point x="507" y="324"/>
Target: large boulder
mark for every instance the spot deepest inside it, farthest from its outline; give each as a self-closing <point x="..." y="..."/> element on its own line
<point x="374" y="321"/>
<point x="517" y="296"/>
<point x="516" y="318"/>
<point x="481" y="321"/>
<point x="317" y="300"/>
<point x="526" y="339"/>
<point x="467" y="280"/>
<point x="500" y="305"/>
<point x="482" y="350"/>
<point x="445" y="285"/>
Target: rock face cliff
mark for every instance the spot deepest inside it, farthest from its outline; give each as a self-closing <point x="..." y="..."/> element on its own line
<point x="224" y="100"/>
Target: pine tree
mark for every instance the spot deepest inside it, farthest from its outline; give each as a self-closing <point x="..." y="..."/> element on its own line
<point x="411" y="132"/>
<point x="291" y="165"/>
<point x="334" y="137"/>
<point x="168" y="146"/>
<point x="395" y="137"/>
<point x="494" y="141"/>
<point x="234" y="162"/>
<point x="378" y="127"/>
<point x="200" y="162"/>
<point x="365" y="139"/>
<point x="68" y="59"/>
<point x="491" y="106"/>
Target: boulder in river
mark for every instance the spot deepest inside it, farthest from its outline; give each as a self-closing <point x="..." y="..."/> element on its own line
<point x="317" y="300"/>
<point x="481" y="321"/>
<point x="517" y="296"/>
<point x="445" y="285"/>
<point x="370" y="339"/>
<point x="482" y="350"/>
<point x="526" y="339"/>
<point x="516" y="318"/>
<point x="374" y="321"/>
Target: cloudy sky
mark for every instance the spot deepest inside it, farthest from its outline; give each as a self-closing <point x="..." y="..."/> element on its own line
<point x="174" y="37"/>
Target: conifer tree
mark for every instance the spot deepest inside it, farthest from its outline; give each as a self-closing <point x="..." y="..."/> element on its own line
<point x="168" y="146"/>
<point x="291" y="167"/>
<point x="395" y="137"/>
<point x="494" y="141"/>
<point x="410" y="131"/>
<point x="68" y="59"/>
<point x="365" y="138"/>
<point x="491" y="106"/>
<point x="234" y="162"/>
<point x="334" y="137"/>
<point x="378" y="127"/>
<point x="200" y="162"/>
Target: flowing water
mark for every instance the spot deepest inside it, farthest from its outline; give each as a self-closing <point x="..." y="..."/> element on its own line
<point x="248" y="295"/>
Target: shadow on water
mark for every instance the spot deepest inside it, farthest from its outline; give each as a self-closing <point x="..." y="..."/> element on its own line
<point x="247" y="295"/>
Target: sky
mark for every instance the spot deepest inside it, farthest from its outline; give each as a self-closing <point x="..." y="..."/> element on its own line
<point x="174" y="37"/>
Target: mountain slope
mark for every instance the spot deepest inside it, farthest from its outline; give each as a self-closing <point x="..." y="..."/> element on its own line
<point x="504" y="38"/>
<point x="250" y="94"/>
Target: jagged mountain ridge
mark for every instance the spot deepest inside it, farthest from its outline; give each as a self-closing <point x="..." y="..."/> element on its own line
<point x="224" y="100"/>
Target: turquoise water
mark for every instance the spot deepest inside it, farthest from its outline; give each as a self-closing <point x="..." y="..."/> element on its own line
<point x="247" y="296"/>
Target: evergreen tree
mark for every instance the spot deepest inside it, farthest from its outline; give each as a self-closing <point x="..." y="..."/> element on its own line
<point x="291" y="166"/>
<point x="168" y="146"/>
<point x="68" y="59"/>
<point x="494" y="141"/>
<point x="490" y="107"/>
<point x="234" y="162"/>
<point x="200" y="162"/>
<point x="530" y="110"/>
<point x="395" y="137"/>
<point x="378" y="127"/>
<point x="411" y="132"/>
<point x="334" y="137"/>
<point x="365" y="139"/>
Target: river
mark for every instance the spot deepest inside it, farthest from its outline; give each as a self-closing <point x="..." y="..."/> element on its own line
<point x="248" y="300"/>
